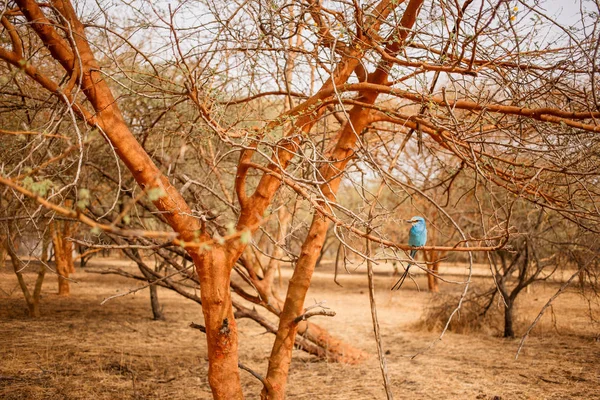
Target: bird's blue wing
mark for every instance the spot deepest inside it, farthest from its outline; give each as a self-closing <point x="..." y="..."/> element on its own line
<point x="416" y="237"/>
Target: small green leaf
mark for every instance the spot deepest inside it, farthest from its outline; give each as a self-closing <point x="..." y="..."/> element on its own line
<point x="219" y="239"/>
<point x="230" y="228"/>
<point x="38" y="188"/>
<point x="126" y="219"/>
<point x="84" y="199"/>
<point x="156" y="193"/>
<point x="96" y="231"/>
<point x="27" y="182"/>
<point x="246" y="237"/>
<point x="81" y="204"/>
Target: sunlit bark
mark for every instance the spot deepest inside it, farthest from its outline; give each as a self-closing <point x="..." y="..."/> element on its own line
<point x="358" y="119"/>
<point x="213" y="267"/>
<point x="63" y="254"/>
<point x="290" y="137"/>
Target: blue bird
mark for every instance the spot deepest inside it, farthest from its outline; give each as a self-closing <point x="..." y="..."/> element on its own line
<point x="417" y="237"/>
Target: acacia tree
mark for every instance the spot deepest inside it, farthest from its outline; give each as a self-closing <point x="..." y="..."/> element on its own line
<point x="477" y="86"/>
<point x="32" y="298"/>
<point x="546" y="245"/>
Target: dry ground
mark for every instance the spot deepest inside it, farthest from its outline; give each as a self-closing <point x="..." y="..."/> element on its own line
<point x="79" y="349"/>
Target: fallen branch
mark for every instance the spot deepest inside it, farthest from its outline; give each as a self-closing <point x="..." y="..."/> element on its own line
<point x="145" y="286"/>
<point x="307" y="315"/>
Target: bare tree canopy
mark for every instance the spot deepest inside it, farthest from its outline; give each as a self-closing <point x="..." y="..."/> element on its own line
<point x="239" y="135"/>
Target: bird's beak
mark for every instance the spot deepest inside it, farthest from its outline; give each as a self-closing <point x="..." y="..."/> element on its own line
<point x="411" y="221"/>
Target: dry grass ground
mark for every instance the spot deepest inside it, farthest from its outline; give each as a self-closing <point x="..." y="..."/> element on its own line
<point x="79" y="349"/>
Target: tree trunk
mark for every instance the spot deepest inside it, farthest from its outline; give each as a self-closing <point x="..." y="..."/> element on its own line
<point x="34" y="306"/>
<point x="508" y="319"/>
<point x="334" y="349"/>
<point x="433" y="258"/>
<point x="213" y="267"/>
<point x="214" y="270"/>
<point x="63" y="254"/>
<point x="64" y="289"/>
<point x="37" y="291"/>
<point x="432" y="280"/>
<point x="18" y="268"/>
<point x="281" y="353"/>
<point x="3" y="251"/>
<point x="339" y="156"/>
<point x="157" y="313"/>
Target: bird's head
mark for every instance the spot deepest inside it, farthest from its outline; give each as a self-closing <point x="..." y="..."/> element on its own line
<point x="417" y="221"/>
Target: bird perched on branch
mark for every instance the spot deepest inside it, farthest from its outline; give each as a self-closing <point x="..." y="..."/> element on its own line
<point x="417" y="237"/>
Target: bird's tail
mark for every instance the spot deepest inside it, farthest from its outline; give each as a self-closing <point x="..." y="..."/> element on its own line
<point x="398" y="284"/>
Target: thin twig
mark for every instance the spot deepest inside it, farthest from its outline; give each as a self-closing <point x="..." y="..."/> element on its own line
<point x="253" y="373"/>
<point x="307" y="315"/>
<point x="376" y="330"/>
<point x="119" y="246"/>
<point x="543" y="310"/>
<point x="145" y="286"/>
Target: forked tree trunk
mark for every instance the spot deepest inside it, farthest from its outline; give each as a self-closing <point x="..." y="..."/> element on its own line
<point x="339" y="156"/>
<point x="214" y="269"/>
<point x="213" y="266"/>
<point x="31" y="299"/>
<point x="37" y="291"/>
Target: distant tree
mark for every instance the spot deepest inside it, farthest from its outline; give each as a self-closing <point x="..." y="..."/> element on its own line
<point x="546" y="245"/>
<point x="9" y="242"/>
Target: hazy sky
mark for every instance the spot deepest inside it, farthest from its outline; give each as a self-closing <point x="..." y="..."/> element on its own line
<point x="565" y="11"/>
